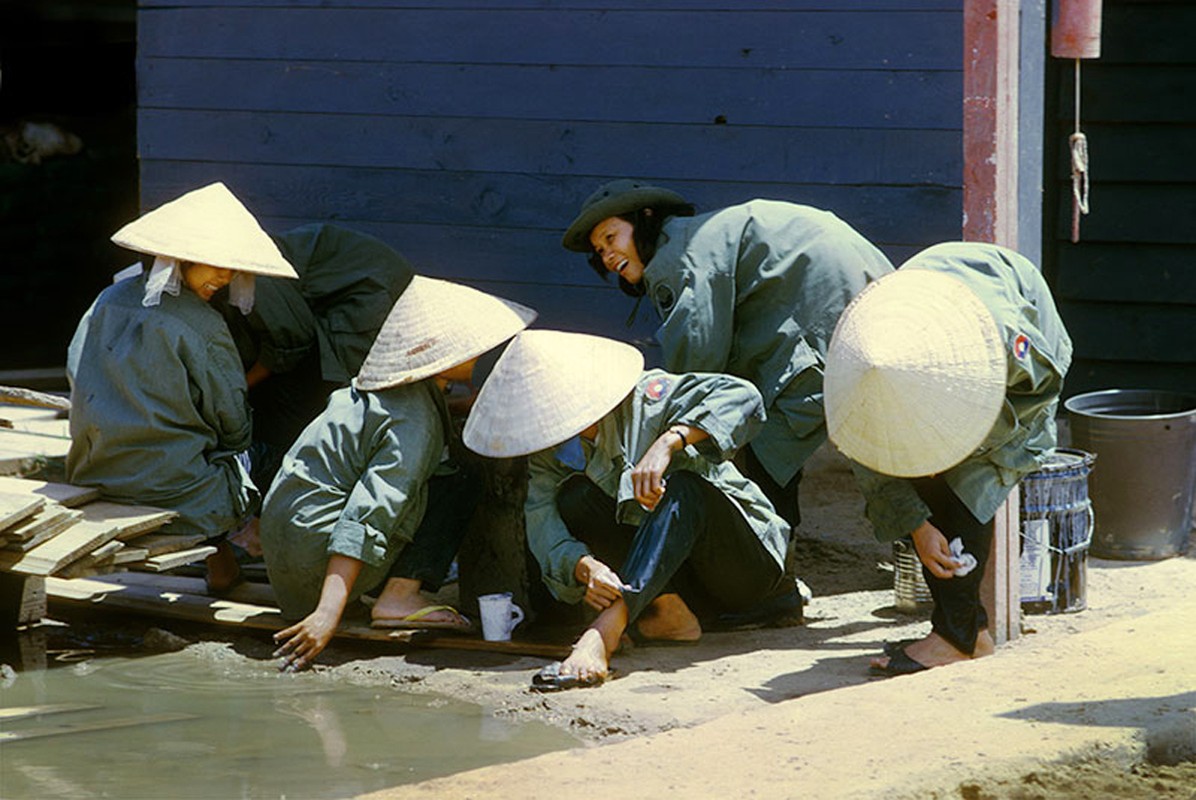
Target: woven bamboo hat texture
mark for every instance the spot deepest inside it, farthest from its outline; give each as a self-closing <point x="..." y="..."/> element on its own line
<point x="547" y="387"/>
<point x="207" y="226"/>
<point x="915" y="374"/>
<point x="436" y="325"/>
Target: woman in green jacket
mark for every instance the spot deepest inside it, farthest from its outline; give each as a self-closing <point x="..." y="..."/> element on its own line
<point x="159" y="414"/>
<point x="753" y="290"/>
<point x="633" y="505"/>
<point x="942" y="384"/>
<point x="346" y="513"/>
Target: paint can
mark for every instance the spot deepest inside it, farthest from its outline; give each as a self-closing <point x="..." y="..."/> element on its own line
<point x="911" y="594"/>
<point x="1056" y="531"/>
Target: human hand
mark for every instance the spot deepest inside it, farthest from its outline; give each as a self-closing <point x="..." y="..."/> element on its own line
<point x="647" y="477"/>
<point x="603" y="584"/>
<point x="934" y="551"/>
<point x="306" y="639"/>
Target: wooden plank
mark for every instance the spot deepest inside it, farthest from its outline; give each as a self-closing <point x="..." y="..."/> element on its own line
<point x="1130" y="93"/>
<point x="22" y="600"/>
<point x="51" y="515"/>
<point x="28" y="397"/>
<point x="92" y="727"/>
<point x="45" y="532"/>
<point x="750" y="96"/>
<point x="1134" y="213"/>
<point x="129" y="555"/>
<point x="486" y="213"/>
<point x="1089" y="375"/>
<point x="1124" y="153"/>
<point x="251" y="592"/>
<point x="160" y="544"/>
<point x="61" y="493"/>
<point x="604" y="5"/>
<point x="845" y="156"/>
<point x="176" y="559"/>
<point x="16" y="508"/>
<point x="726" y="36"/>
<point x="49" y="557"/>
<point x="1125" y="273"/>
<point x="1123" y="332"/>
<point x="1157" y="33"/>
<point x="131" y="520"/>
<point x="25" y="712"/>
<point x="1000" y="588"/>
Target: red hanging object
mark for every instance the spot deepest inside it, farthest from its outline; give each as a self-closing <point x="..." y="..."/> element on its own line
<point x="1075" y="34"/>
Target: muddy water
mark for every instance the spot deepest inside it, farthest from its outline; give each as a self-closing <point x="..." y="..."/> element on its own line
<point x="225" y="728"/>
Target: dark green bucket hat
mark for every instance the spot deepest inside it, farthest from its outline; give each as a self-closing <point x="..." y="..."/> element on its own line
<point x="620" y="197"/>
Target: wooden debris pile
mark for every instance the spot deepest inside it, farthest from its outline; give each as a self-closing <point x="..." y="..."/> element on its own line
<point x="55" y="529"/>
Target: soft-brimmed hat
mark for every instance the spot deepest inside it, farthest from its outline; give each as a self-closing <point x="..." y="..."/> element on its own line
<point x="620" y="197"/>
<point x="547" y="387"/>
<point x="434" y="326"/>
<point x="207" y="226"/>
<point x="915" y="374"/>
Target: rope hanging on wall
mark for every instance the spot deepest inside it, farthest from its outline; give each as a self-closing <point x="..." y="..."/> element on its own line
<point x="1078" y="144"/>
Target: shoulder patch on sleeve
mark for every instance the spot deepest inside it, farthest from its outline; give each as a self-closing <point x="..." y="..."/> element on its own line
<point x="657" y="388"/>
<point x="1021" y="346"/>
<point x="663" y="297"/>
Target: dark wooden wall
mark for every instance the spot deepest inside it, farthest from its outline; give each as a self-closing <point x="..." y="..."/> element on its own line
<point x="467" y="133"/>
<point x="1127" y="291"/>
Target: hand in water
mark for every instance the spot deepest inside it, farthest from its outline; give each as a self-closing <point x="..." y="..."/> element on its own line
<point x="303" y="641"/>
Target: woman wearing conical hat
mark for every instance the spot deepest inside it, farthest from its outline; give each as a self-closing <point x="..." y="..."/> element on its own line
<point x="633" y="506"/>
<point x="942" y="383"/>
<point x="346" y="513"/>
<point x="158" y="397"/>
<point x="752" y="290"/>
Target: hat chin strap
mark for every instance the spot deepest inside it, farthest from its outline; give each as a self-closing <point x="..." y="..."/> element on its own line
<point x="164" y="276"/>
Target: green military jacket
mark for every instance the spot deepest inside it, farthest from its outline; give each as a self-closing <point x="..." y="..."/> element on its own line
<point x="727" y="408"/>
<point x="1038" y="353"/>
<point x="755" y="290"/>
<point x="159" y="408"/>
<point x="348" y="282"/>
<point x="354" y="484"/>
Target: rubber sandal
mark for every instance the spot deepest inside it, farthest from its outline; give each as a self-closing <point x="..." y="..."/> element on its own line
<point x="416" y="620"/>
<point x="900" y="664"/>
<point x="550" y="679"/>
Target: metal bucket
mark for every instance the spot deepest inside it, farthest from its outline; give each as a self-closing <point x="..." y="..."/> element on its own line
<point x="1143" y="492"/>
<point x="1057" y="524"/>
<point x="911" y="594"/>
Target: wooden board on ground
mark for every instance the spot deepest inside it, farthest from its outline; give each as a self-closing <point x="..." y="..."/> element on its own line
<point x="177" y="559"/>
<point x="61" y="493"/>
<point x="50" y="557"/>
<point x="133" y="521"/>
<point x="179" y="597"/>
<point x="24" y="712"/>
<point x="50" y="521"/>
<point x="16" y="508"/>
<point x="247" y="592"/>
<point x="159" y="544"/>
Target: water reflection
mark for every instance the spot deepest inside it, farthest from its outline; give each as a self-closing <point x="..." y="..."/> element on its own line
<point x="207" y="723"/>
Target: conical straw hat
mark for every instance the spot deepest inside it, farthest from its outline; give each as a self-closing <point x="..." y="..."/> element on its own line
<point x="434" y="326"/>
<point x="547" y="387"/>
<point x="206" y="226"/>
<point x="915" y="374"/>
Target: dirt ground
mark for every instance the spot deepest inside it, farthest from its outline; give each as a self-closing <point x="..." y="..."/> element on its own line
<point x="732" y="687"/>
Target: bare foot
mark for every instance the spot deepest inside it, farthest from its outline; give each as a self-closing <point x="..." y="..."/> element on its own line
<point x="401" y="598"/>
<point x="668" y="618"/>
<point x="935" y="651"/>
<point x="588" y="661"/>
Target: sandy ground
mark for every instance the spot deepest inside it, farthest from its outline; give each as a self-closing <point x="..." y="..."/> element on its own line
<point x="1099" y="703"/>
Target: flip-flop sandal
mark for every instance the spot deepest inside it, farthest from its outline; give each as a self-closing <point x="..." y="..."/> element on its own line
<point x="416" y="621"/>
<point x="891" y="648"/>
<point x="550" y="679"/>
<point x="900" y="664"/>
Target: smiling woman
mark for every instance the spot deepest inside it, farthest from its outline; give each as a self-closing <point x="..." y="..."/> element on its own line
<point x="159" y="411"/>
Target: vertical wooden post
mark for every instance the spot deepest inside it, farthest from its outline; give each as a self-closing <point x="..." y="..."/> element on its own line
<point x="990" y="214"/>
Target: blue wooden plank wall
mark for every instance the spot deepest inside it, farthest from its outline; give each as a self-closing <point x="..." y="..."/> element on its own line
<point x="1127" y="290"/>
<point x="467" y="133"/>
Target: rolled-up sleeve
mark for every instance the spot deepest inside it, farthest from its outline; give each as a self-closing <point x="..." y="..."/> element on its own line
<point x="555" y="549"/>
<point x="728" y="409"/>
<point x="891" y="504"/>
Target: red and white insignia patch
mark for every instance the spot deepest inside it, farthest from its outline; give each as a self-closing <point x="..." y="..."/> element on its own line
<point x="1021" y="346"/>
<point x="656" y="388"/>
